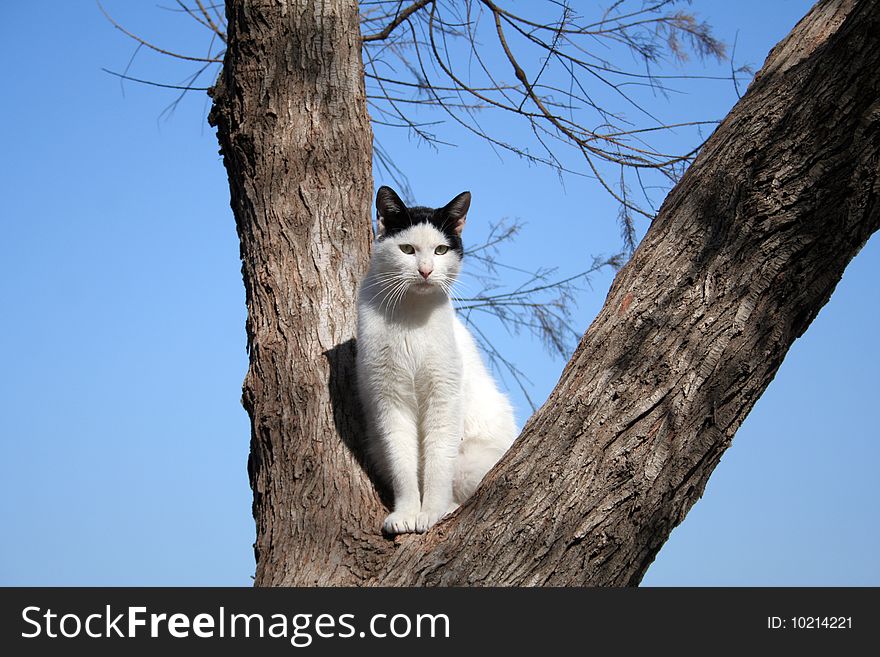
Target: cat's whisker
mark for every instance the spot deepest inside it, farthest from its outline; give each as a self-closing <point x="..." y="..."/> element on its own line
<point x="383" y="289"/>
<point x="394" y="290"/>
<point x="400" y="296"/>
<point x="446" y="286"/>
<point x="387" y="299"/>
<point x="388" y="291"/>
<point x="385" y="276"/>
<point x="449" y="284"/>
<point x="465" y="286"/>
<point x="386" y="284"/>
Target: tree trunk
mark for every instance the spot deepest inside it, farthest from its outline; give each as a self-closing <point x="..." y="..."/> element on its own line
<point x="744" y="252"/>
<point x="291" y="114"/>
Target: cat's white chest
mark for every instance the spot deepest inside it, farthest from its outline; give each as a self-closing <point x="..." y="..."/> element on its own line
<point x="417" y="348"/>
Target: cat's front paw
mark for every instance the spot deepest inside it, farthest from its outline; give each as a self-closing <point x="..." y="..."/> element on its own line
<point x="401" y="522"/>
<point x="427" y="518"/>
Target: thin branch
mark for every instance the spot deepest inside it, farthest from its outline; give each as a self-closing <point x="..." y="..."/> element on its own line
<point x="155" y="84"/>
<point x="400" y="18"/>
<point x="211" y="22"/>
<point x="567" y="50"/>
<point x="144" y="42"/>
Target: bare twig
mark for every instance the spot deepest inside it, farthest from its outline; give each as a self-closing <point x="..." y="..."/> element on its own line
<point x="151" y="46"/>
<point x="154" y="84"/>
<point x="540" y="303"/>
<point x="398" y="19"/>
<point x="586" y="112"/>
<point x="444" y="58"/>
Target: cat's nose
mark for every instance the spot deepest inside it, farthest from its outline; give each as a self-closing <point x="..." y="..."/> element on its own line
<point x="425" y="272"/>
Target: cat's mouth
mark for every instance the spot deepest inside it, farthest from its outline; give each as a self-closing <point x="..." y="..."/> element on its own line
<point x="424" y="286"/>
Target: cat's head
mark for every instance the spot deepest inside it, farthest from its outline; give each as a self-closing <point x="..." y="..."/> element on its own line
<point x="419" y="248"/>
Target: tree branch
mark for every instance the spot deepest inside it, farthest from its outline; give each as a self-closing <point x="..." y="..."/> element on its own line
<point x="444" y="41"/>
<point x="398" y="19"/>
<point x="746" y="249"/>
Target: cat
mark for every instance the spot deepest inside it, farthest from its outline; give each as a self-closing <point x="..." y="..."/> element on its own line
<point x="436" y="420"/>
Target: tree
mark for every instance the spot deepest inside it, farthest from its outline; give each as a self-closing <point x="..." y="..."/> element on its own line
<point x="745" y="250"/>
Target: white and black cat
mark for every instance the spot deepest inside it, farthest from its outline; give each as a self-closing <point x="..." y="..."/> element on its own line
<point x="436" y="420"/>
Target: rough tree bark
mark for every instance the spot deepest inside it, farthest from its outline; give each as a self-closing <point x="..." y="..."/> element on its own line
<point x="745" y="251"/>
<point x="291" y="117"/>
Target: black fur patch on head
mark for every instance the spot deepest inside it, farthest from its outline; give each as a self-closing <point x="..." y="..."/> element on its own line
<point x="438" y="219"/>
<point x="393" y="216"/>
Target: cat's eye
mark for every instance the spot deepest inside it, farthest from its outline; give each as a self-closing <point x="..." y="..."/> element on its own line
<point x="407" y="249"/>
<point x="440" y="250"/>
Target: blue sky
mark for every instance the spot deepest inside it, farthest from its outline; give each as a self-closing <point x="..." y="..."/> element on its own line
<point x="123" y="441"/>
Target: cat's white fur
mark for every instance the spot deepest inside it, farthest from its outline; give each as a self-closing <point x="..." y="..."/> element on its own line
<point x="436" y="420"/>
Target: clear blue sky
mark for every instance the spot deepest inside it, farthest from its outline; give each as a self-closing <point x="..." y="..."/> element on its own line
<point x="124" y="445"/>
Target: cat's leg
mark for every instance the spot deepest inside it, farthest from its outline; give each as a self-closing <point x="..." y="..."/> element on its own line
<point x="398" y="432"/>
<point x="441" y="434"/>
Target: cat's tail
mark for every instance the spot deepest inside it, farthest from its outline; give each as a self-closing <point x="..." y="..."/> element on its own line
<point x="475" y="458"/>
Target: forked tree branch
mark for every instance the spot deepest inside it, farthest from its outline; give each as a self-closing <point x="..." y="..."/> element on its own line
<point x="746" y="250"/>
<point x="545" y="311"/>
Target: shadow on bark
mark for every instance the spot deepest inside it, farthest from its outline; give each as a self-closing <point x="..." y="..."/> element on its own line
<point x="348" y="415"/>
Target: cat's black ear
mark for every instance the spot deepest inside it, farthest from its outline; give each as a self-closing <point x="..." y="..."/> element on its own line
<point x="391" y="213"/>
<point x="456" y="211"/>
